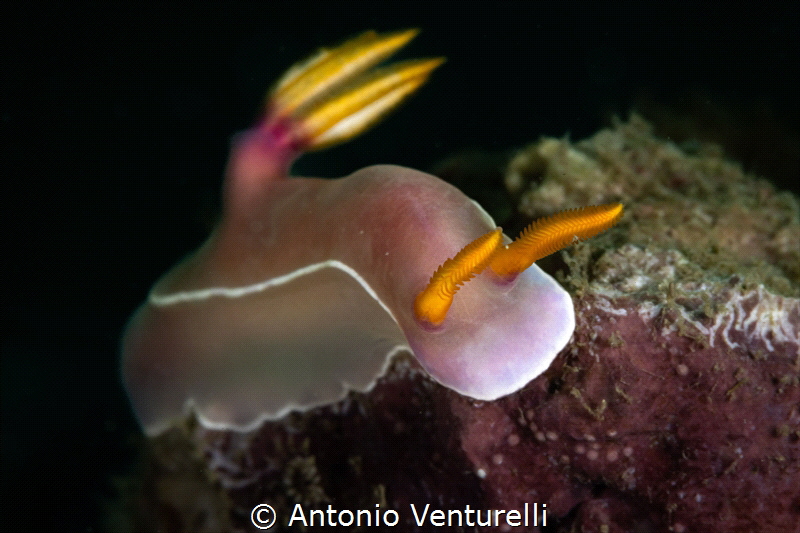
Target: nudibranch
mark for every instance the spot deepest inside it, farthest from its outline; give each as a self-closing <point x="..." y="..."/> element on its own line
<point x="308" y="286"/>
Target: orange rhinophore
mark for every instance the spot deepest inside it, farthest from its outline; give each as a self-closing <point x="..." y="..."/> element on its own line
<point x="540" y="239"/>
<point x="432" y="304"/>
<point x="550" y="234"/>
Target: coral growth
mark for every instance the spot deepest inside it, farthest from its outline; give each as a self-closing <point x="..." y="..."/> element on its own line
<point x="675" y="407"/>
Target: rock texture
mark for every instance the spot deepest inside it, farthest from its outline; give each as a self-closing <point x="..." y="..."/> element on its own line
<point x="675" y="407"/>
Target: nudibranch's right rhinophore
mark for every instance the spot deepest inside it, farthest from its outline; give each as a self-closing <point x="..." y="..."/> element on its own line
<point x="550" y="234"/>
<point x="308" y="286"/>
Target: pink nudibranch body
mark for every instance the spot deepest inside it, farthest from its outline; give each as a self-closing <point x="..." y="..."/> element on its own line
<point x="306" y="289"/>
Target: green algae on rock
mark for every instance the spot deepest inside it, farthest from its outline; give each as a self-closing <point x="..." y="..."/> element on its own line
<point x="701" y="204"/>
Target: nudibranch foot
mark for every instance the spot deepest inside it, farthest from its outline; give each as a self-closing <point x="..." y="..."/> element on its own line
<point x="239" y="357"/>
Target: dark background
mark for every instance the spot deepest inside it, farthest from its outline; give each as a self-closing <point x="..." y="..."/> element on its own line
<point x="116" y="120"/>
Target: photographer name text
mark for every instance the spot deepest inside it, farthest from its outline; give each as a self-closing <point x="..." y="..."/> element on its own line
<point x="530" y="515"/>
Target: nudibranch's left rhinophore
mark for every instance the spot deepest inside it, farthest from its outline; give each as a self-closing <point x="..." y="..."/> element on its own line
<point x="308" y="286"/>
<point x="433" y="303"/>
